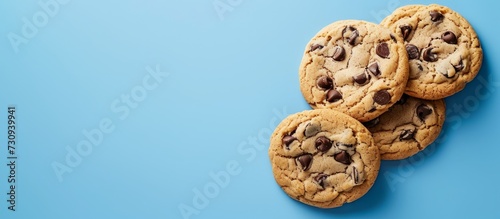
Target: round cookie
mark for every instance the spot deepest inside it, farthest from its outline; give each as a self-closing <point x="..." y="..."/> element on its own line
<point x="323" y="158"/>
<point x="355" y="67"/>
<point x="408" y="127"/>
<point x="443" y="49"/>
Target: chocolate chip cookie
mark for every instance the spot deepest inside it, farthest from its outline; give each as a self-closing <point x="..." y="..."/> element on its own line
<point x="443" y="49"/>
<point x="355" y="67"/>
<point x="408" y="127"/>
<point x="323" y="158"/>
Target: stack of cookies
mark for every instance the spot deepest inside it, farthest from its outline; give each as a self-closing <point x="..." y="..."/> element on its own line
<point x="377" y="93"/>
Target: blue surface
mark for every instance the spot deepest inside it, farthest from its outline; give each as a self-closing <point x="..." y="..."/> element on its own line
<point x="202" y="126"/>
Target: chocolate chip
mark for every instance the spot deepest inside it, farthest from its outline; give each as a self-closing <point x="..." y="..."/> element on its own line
<point x="447" y="75"/>
<point x="353" y="37"/>
<point x="323" y="144"/>
<point x="429" y="56"/>
<point x="382" y="97"/>
<point x="287" y="140"/>
<point x="312" y="129"/>
<point x="393" y="38"/>
<point x="420" y="67"/>
<point x="383" y="50"/>
<point x="402" y="100"/>
<point x="373" y="68"/>
<point x="459" y="67"/>
<point x="305" y="161"/>
<point x="339" y="53"/>
<point x="449" y="37"/>
<point x="325" y="82"/>
<point x="361" y="78"/>
<point x="406" y="135"/>
<point x="372" y="109"/>
<point x="343" y="157"/>
<point x="412" y="51"/>
<point x="320" y="178"/>
<point x="423" y="111"/>
<point x="406" y="31"/>
<point x="372" y="123"/>
<point x="355" y="175"/>
<point x="436" y="16"/>
<point x="333" y="95"/>
<point x="344" y="144"/>
<point x="315" y="47"/>
<point x="345" y="30"/>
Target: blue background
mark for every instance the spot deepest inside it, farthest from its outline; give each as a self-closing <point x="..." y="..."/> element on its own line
<point x="231" y="77"/>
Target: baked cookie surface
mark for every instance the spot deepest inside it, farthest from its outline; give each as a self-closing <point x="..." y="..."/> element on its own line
<point x="356" y="67"/>
<point x="323" y="158"/>
<point x="408" y="127"/>
<point x="443" y="49"/>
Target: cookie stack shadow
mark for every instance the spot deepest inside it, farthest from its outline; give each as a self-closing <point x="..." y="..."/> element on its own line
<point x="377" y="93"/>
